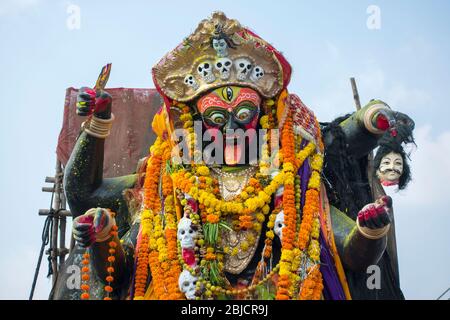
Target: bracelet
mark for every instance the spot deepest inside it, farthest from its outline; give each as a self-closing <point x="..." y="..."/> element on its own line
<point x="373" y="234"/>
<point x="368" y="117"/>
<point x="97" y="127"/>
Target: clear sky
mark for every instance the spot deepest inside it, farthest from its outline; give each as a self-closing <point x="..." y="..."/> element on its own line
<point x="405" y="62"/>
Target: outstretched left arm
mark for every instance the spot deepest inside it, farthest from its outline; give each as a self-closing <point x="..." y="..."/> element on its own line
<point x="362" y="243"/>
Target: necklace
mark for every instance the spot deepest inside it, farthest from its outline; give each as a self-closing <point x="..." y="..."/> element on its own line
<point x="231" y="184"/>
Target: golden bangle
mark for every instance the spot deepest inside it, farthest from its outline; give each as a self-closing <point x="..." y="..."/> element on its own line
<point x="373" y="234"/>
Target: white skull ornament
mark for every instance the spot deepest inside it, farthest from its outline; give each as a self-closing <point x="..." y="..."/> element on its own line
<point x="186" y="234"/>
<point x="279" y="224"/>
<point x="186" y="283"/>
<point x="190" y="81"/>
<point x="221" y="47"/>
<point x="243" y="67"/>
<point x="223" y="66"/>
<point x="257" y="73"/>
<point x="205" y="71"/>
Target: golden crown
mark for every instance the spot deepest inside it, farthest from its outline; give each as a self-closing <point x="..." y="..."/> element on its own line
<point x="220" y="52"/>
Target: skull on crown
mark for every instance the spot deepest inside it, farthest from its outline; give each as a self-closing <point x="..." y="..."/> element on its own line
<point x="243" y="67"/>
<point x="205" y="71"/>
<point x="223" y="66"/>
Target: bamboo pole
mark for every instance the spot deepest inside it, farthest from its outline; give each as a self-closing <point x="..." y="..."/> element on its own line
<point x="355" y="93"/>
<point x="54" y="238"/>
<point x="62" y="251"/>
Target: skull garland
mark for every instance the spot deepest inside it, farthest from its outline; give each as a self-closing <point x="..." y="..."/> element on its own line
<point x="191" y="82"/>
<point x="205" y="71"/>
<point x="186" y="233"/>
<point x="279" y="224"/>
<point x="243" y="67"/>
<point x="257" y="73"/>
<point x="223" y="66"/>
<point x="187" y="283"/>
<point x="221" y="47"/>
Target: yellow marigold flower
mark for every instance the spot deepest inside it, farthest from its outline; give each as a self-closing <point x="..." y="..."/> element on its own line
<point x="317" y="162"/>
<point x="260" y="217"/>
<point x="264" y="121"/>
<point x="287" y="255"/>
<point x="288" y="167"/>
<point x="266" y="209"/>
<point x="203" y="171"/>
<point x="235" y="251"/>
<point x="257" y="227"/>
<point x="285" y="269"/>
<point x="250" y="189"/>
<point x="244" y="195"/>
<point x="270" y="234"/>
<point x="314" y="181"/>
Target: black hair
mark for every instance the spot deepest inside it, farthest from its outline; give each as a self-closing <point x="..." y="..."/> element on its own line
<point x="219" y="34"/>
<point x="345" y="177"/>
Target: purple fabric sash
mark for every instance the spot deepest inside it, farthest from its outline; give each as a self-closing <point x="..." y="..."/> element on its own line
<point x="332" y="286"/>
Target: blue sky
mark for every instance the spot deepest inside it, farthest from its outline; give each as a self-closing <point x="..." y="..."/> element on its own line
<point x="406" y="63"/>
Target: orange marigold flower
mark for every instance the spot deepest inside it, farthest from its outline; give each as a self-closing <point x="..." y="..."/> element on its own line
<point x="212" y="218"/>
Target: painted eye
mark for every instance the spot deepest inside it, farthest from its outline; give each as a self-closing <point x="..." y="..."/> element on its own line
<point x="218" y="118"/>
<point x="243" y="114"/>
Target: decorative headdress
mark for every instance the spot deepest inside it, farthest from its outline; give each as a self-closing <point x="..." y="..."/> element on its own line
<point x="221" y="52"/>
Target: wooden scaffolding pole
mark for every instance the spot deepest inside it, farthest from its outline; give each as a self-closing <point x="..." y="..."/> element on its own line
<point x="59" y="214"/>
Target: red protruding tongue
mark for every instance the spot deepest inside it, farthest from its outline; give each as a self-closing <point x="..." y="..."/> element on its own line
<point x="233" y="154"/>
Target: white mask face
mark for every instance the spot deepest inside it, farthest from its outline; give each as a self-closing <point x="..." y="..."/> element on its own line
<point x="391" y="168"/>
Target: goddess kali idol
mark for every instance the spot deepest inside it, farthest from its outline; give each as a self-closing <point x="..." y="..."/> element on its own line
<point x="295" y="219"/>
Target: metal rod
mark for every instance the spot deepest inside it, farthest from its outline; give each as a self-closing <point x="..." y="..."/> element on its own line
<point x="439" y="298"/>
<point x="355" y="93"/>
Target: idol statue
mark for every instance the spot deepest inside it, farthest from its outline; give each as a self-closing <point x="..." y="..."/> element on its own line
<point x="244" y="194"/>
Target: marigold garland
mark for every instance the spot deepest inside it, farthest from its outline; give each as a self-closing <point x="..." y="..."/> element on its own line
<point x="247" y="211"/>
